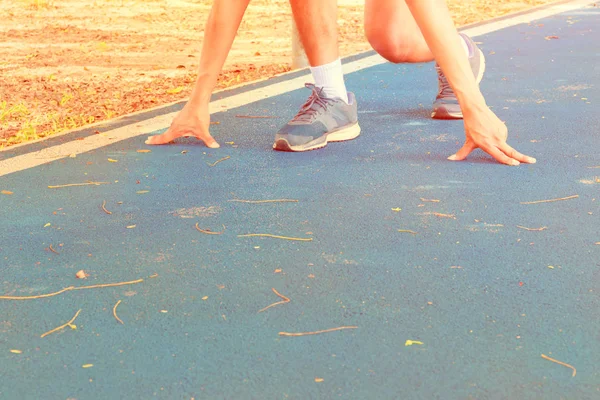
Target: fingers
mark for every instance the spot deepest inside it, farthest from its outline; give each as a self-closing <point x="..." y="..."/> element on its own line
<point x="176" y="131"/>
<point x="210" y="142"/>
<point x="499" y="155"/>
<point x="164" y="138"/>
<point x="514" y="154"/>
<point x="464" y="151"/>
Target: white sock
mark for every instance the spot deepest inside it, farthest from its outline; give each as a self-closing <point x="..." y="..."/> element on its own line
<point x="465" y="46"/>
<point x="330" y="77"/>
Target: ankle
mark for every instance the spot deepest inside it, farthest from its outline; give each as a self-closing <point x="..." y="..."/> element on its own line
<point x="330" y="78"/>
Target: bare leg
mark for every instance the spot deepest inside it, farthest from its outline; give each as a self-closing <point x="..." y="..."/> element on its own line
<point x="221" y="27"/>
<point x="393" y="33"/>
<point x="317" y="25"/>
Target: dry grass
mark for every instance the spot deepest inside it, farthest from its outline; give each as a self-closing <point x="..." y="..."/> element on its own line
<point x="68" y="63"/>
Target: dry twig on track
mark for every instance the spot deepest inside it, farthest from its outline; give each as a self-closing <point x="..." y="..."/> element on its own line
<point x="276" y="237"/>
<point x="561" y="363"/>
<point x="316" y="332"/>
<point x="285" y="300"/>
<point x="69" y="324"/>
<point x="551" y="200"/>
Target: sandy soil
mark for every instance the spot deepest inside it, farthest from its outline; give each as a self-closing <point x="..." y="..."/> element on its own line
<point x="67" y="63"/>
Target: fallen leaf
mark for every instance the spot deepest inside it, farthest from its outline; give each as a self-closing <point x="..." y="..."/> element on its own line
<point x="550" y="266"/>
<point x="47" y="225"/>
<point x="8" y="192"/>
<point x="87" y="365"/>
<point x="164" y="311"/>
<point x="278" y="270"/>
<point x="131" y="226"/>
<point x="397" y="209"/>
<point x="551" y="37"/>
<point x="411" y="342"/>
<point x="175" y="90"/>
<point x="319" y="380"/>
<point x="81" y="274"/>
<point x="142" y="191"/>
<point x="16" y="351"/>
<point x="311" y="276"/>
<point x="111" y="160"/>
<point x="205" y="298"/>
<point x="144" y="151"/>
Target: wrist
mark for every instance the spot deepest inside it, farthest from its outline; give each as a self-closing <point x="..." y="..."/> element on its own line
<point x="203" y="88"/>
<point x="471" y="102"/>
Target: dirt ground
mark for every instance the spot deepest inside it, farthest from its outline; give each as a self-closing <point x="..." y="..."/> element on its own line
<point x="68" y="63"/>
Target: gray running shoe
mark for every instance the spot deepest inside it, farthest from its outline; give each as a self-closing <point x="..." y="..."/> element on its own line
<point x="446" y="105"/>
<point x="319" y="121"/>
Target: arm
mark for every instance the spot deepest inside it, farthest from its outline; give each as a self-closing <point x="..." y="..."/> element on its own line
<point x="194" y="119"/>
<point x="483" y="129"/>
<point x="221" y="27"/>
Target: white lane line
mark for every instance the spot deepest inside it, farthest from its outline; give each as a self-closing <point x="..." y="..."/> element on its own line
<point x="47" y="155"/>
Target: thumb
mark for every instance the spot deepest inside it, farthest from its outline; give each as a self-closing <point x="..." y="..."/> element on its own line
<point x="208" y="140"/>
<point x="464" y="151"/>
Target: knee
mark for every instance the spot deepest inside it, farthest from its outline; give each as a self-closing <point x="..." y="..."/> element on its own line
<point x="393" y="46"/>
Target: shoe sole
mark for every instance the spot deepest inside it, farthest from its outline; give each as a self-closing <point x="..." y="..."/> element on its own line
<point x="341" y="135"/>
<point x="442" y="112"/>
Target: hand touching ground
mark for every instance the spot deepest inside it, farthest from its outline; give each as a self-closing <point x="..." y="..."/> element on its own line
<point x="187" y="123"/>
<point x="484" y="130"/>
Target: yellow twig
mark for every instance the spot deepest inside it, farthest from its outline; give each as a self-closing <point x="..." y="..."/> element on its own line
<point x="209" y="232"/>
<point x="108" y="285"/>
<point x="41" y="296"/>
<point x="407" y="231"/>
<point x="69" y="324"/>
<point x="52" y="250"/>
<point x="317" y="332"/>
<point x="441" y="215"/>
<point x="264" y="201"/>
<point x="78" y="184"/>
<point x="561" y="363"/>
<point x="115" y="312"/>
<point x="550" y="200"/>
<point x="276" y="237"/>
<point x="104" y="208"/>
<point x="285" y="300"/>
<point x="543" y="228"/>
<point x="430" y="200"/>
<point x="218" y="161"/>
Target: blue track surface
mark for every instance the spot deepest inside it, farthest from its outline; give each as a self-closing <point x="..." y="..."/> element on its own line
<point x="483" y="325"/>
